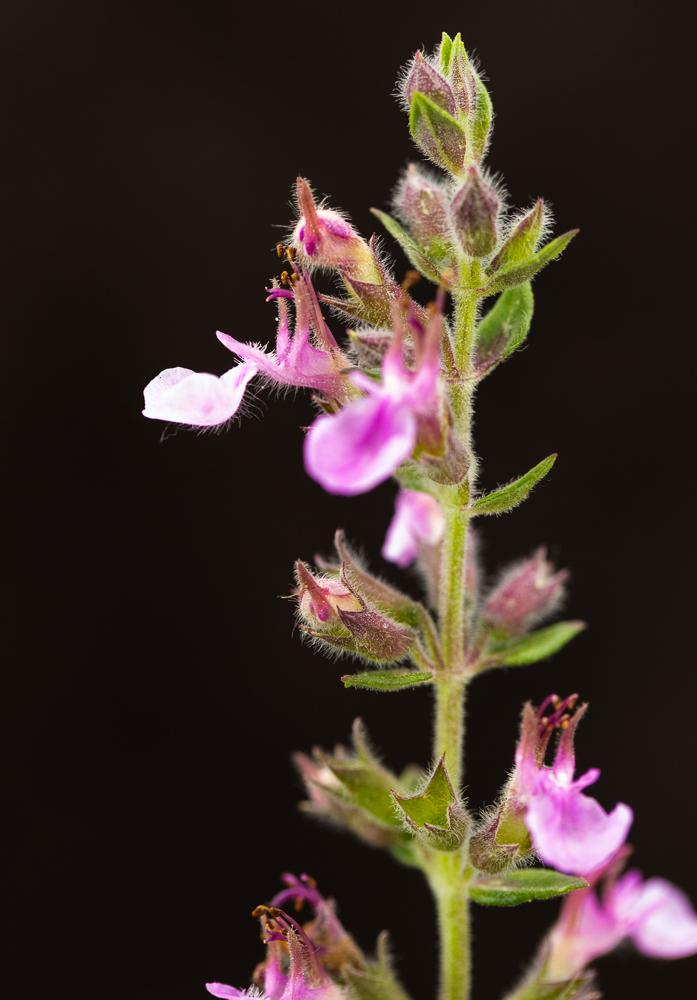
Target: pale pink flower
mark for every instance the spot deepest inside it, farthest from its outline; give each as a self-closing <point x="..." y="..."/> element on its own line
<point x="569" y="830"/>
<point x="182" y="396"/>
<point x="308" y="356"/>
<point x="361" y="446"/>
<point x="655" y="915"/>
<point x="418" y="520"/>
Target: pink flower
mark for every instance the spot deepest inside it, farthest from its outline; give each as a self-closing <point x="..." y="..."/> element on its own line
<point x="297" y="361"/>
<point x="569" y="830"/>
<point x="299" y="960"/>
<point x="655" y="915"/>
<point x="526" y="593"/>
<point x="183" y="396"/>
<point x="361" y="446"/>
<point x="418" y="520"/>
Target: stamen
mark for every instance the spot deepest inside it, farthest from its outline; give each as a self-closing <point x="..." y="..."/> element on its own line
<point x="410" y="279"/>
<point x="280" y="249"/>
<point x="560" y="717"/>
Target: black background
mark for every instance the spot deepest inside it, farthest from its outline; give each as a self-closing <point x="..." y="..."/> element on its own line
<point x="154" y="688"/>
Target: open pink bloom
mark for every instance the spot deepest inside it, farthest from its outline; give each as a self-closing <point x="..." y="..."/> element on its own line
<point x="655" y="915"/>
<point x="297" y="360"/>
<point x="569" y="830"/>
<point x="418" y="520"/>
<point x="361" y="446"/>
<point x="183" y="396"/>
<point x="298" y="958"/>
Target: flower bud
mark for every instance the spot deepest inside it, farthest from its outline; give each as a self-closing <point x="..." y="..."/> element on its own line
<point x="326" y="239"/>
<point x="337" y="614"/>
<point x="523" y="237"/>
<point x="353" y="789"/>
<point x="370" y="299"/>
<point x="438" y="135"/>
<point x="422" y="204"/>
<point x="320" y="599"/>
<point x="474" y="213"/>
<point x="423" y="78"/>
<point x="526" y="593"/>
<point x="456" y="65"/>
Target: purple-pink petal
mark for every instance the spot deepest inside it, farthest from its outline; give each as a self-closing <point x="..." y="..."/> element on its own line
<point x="182" y="396"/>
<point x="225" y="992"/>
<point x="361" y="446"/>
<point x="418" y="520"/>
<point x="657" y="916"/>
<point x="570" y="830"/>
<point x="295" y="363"/>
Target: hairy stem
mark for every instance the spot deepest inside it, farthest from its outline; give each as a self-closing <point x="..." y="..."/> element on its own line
<point x="448" y="873"/>
<point x="449" y="885"/>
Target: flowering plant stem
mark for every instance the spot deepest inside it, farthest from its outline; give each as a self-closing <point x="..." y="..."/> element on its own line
<point x="448" y="874"/>
<point x="412" y="419"/>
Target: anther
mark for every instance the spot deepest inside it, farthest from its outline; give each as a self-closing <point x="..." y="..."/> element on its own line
<point x="280" y="249"/>
<point x="290" y="254"/>
<point x="285" y="279"/>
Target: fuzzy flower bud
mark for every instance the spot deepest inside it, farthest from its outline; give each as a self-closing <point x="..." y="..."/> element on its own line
<point x="326" y="239"/>
<point x="337" y="614"/>
<point x="421" y="203"/>
<point x="474" y="212"/>
<point x="526" y="593"/>
<point x="424" y="78"/>
<point x="321" y="599"/>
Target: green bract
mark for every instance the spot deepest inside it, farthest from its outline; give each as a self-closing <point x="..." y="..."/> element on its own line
<point x="526" y="885"/>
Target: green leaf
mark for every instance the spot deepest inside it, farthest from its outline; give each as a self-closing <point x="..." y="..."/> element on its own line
<point x="507" y="497"/>
<point x="387" y="680"/>
<point x="416" y="256"/>
<point x="437" y="134"/>
<point x="539" y="645"/>
<point x="524" y="271"/>
<point x="504" y="328"/>
<point x="523" y="886"/>
<point x="479" y="126"/>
